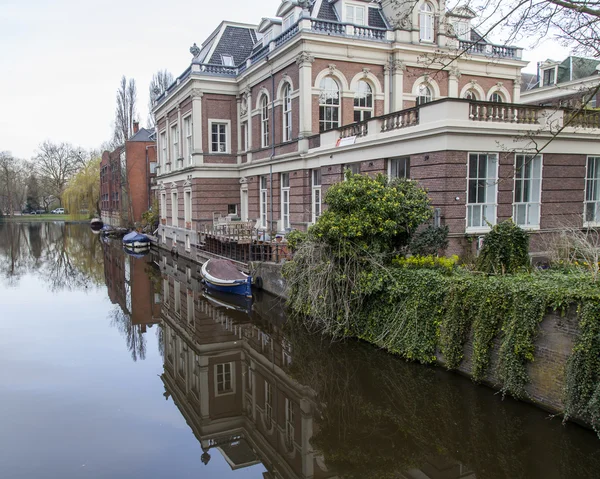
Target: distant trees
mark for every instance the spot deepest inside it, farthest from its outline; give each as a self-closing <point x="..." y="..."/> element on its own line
<point x="158" y="85"/>
<point x="56" y="163"/>
<point x="12" y="184"/>
<point x="126" y="111"/>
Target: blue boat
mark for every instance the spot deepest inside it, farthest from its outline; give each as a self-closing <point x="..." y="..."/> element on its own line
<point x="222" y="275"/>
<point x="136" y="241"/>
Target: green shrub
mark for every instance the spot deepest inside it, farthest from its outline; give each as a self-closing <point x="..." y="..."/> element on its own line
<point x="505" y="250"/>
<point x="429" y="240"/>
<point x="429" y="262"/>
<point x="295" y="238"/>
<point x="375" y="214"/>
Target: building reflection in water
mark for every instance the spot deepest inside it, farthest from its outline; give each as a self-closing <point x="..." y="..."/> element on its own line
<point x="132" y="285"/>
<point x="227" y="368"/>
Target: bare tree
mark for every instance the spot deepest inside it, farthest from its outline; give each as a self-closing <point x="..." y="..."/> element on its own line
<point x="57" y="162"/>
<point x="161" y="80"/>
<point x="126" y="112"/>
<point x="10" y="176"/>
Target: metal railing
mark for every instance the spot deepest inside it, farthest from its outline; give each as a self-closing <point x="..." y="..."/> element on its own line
<point x="241" y="242"/>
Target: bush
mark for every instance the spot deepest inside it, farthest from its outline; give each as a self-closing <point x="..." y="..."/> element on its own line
<point x="427" y="262"/>
<point x="150" y="217"/>
<point x="375" y="214"/>
<point x="295" y="238"/>
<point x="505" y="250"/>
<point x="429" y="240"/>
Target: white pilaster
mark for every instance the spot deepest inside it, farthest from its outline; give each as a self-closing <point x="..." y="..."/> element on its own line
<point x="197" y="127"/>
<point x="304" y="62"/>
<point x="398" y="80"/>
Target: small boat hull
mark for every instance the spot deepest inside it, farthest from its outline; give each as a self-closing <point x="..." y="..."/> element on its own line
<point x="136" y="241"/>
<point x="240" y="283"/>
<point x="96" y="224"/>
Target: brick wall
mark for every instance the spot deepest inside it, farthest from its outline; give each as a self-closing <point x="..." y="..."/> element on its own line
<point x="139" y="155"/>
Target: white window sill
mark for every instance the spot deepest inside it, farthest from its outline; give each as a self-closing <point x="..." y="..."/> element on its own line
<point x="477" y="230"/>
<point x="529" y="227"/>
<point x="591" y="224"/>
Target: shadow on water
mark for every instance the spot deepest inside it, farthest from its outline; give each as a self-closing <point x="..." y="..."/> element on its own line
<point x="262" y="389"/>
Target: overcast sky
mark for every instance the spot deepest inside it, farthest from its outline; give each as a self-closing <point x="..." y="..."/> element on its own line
<point x="61" y="61"/>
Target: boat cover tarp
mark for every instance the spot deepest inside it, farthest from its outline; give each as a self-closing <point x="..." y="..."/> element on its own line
<point x="135" y="237"/>
<point x="224" y="269"/>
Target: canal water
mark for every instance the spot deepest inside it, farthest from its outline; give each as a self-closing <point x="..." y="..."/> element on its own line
<point x="119" y="367"/>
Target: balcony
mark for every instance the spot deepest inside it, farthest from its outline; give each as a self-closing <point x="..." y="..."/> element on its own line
<point x="490" y="50"/>
<point x="466" y="115"/>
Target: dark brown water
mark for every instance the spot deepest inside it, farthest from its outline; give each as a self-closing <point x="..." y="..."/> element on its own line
<point x="120" y="367"/>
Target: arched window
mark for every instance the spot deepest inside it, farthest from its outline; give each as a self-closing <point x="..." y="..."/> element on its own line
<point x="264" y="121"/>
<point x="496" y="98"/>
<point x="425" y="95"/>
<point x="329" y="104"/>
<point x="426" y="22"/>
<point x="363" y="101"/>
<point x="470" y="95"/>
<point x="287" y="112"/>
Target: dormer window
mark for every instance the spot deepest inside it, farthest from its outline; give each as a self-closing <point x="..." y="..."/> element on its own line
<point x="355" y="14"/>
<point x="549" y="77"/>
<point x="288" y="21"/>
<point x="227" y="60"/>
<point x="461" y="29"/>
<point x="267" y="38"/>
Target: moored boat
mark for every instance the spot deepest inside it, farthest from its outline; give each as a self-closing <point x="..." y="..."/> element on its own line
<point x="135" y="240"/>
<point x="222" y="275"/>
<point x="96" y="224"/>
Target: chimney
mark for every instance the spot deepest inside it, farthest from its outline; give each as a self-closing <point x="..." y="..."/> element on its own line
<point x="136" y="127"/>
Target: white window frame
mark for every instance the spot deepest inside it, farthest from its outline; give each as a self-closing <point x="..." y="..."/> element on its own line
<point x="288" y="21"/>
<point x="471" y="94"/>
<point x="316" y="197"/>
<point x="552" y="80"/>
<point x="497" y="97"/>
<point x="353" y="167"/>
<point x="187" y="207"/>
<point x="489" y="181"/>
<point x="592" y="191"/>
<point x="534" y="187"/>
<point x="177" y="296"/>
<point x="287" y="112"/>
<point x="424" y="95"/>
<point x="163" y="205"/>
<point x="334" y="106"/>
<point x="426" y="22"/>
<point x="189" y="129"/>
<point x="163" y="147"/>
<point x="267" y="37"/>
<point x="245" y="136"/>
<point x="174" y="209"/>
<point x="227" y="60"/>
<point x="361" y="103"/>
<point x="285" y="200"/>
<point x="220" y="372"/>
<point x="175" y="142"/>
<point x="351" y="11"/>
<point x="394" y="165"/>
<point x="264" y="121"/>
<point x="166" y="291"/>
<point x="289" y="423"/>
<point x="268" y="405"/>
<point x="462" y="28"/>
<point x="263" y="200"/>
<point x="227" y="125"/>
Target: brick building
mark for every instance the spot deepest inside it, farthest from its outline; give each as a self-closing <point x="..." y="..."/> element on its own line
<point x="126" y="178"/>
<point x="266" y="117"/>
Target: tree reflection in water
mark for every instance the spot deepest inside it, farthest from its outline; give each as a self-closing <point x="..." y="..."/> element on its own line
<point x="66" y="256"/>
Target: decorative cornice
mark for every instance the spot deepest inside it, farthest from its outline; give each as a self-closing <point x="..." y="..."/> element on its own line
<point x="304" y="59"/>
<point x="173" y="185"/>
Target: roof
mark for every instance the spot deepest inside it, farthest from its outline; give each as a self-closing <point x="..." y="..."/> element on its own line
<point x="376" y="19"/>
<point x="528" y="81"/>
<point x="327" y="12"/>
<point x="144" y="134"/>
<point x="235" y="41"/>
